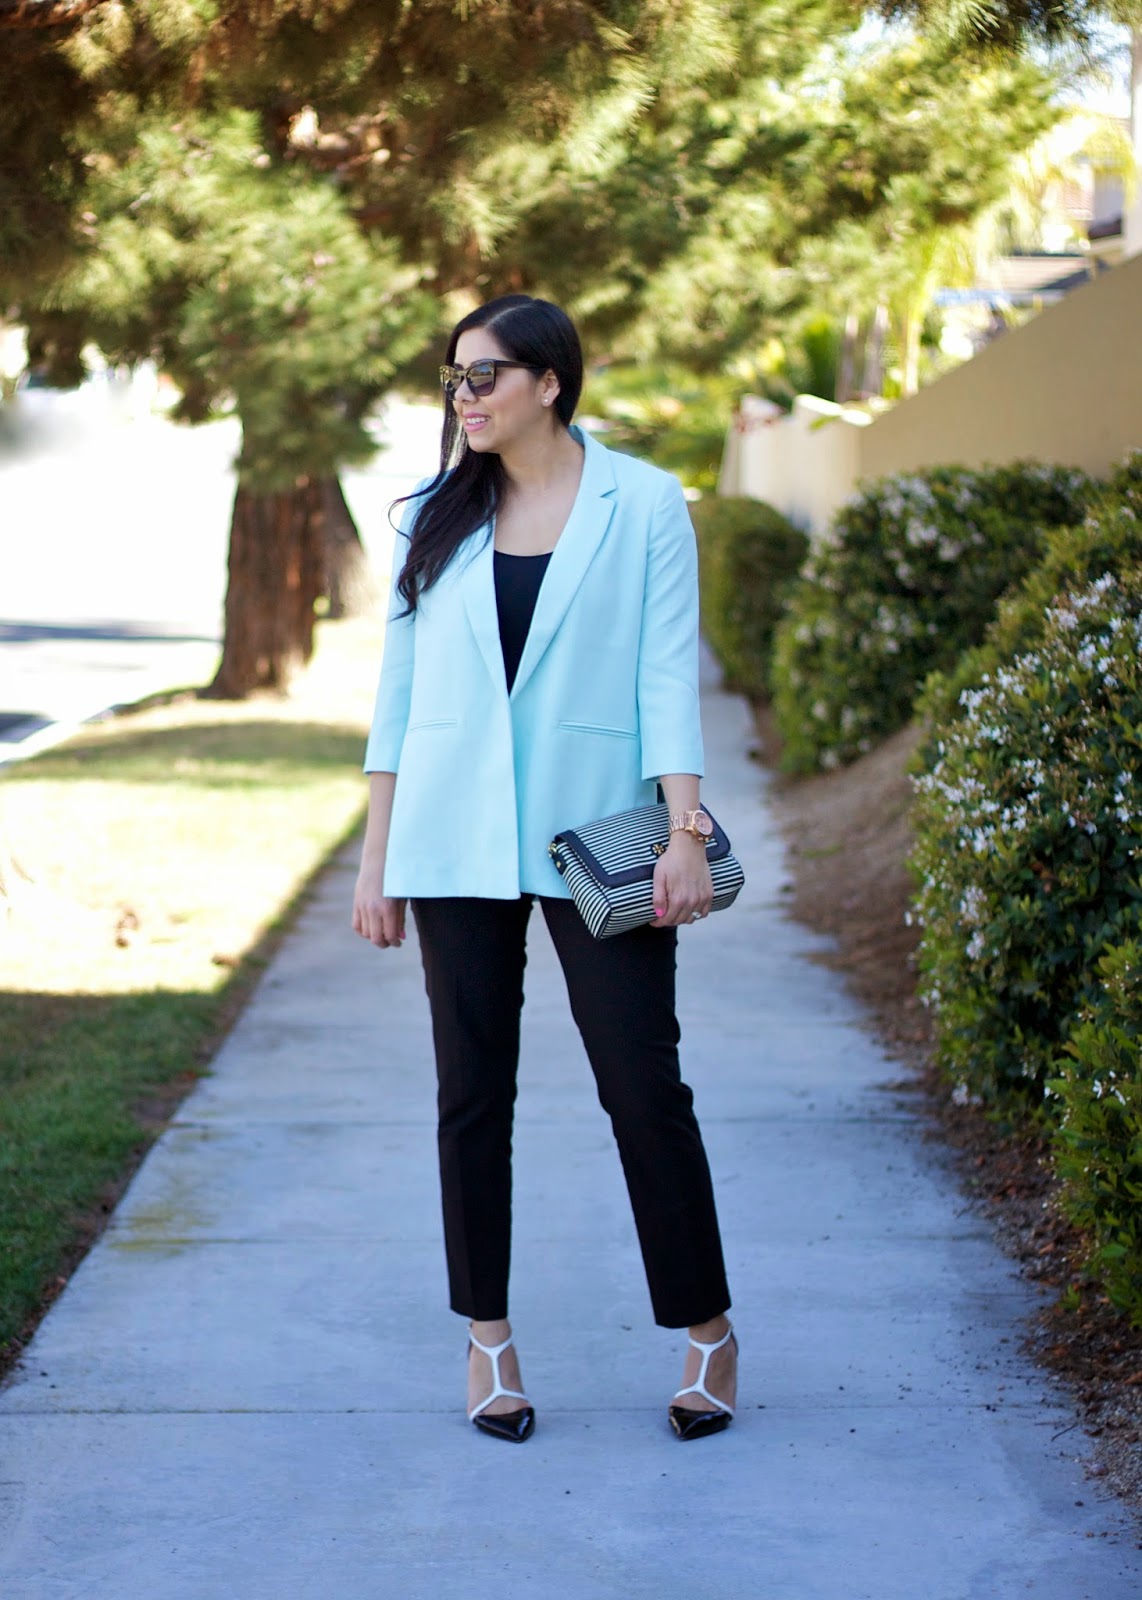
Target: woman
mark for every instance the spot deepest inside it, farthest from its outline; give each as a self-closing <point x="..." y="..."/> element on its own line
<point x="539" y="671"/>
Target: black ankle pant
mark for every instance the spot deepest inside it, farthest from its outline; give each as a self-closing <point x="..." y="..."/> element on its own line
<point x="622" y="998"/>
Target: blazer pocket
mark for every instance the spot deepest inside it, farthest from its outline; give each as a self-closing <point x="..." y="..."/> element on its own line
<point x="428" y="723"/>
<point x="599" y="727"/>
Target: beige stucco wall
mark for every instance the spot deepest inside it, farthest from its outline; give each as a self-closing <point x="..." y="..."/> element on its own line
<point x="1066" y="387"/>
<point x="749" y="466"/>
<point x="803" y="462"/>
<point x="823" y="442"/>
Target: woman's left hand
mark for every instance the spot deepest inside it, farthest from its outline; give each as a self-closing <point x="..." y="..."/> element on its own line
<point x="683" y="888"/>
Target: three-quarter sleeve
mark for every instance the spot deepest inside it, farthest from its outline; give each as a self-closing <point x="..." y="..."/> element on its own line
<point x="668" y="706"/>
<point x="394" y="690"/>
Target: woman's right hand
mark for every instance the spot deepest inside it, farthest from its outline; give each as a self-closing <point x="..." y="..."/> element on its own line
<point x="376" y="915"/>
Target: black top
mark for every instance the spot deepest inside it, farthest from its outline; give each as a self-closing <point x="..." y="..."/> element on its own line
<point x="517" y="588"/>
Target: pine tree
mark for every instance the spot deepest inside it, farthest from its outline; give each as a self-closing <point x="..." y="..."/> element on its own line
<point x="260" y="196"/>
<point x="253" y="287"/>
<point x="801" y="177"/>
<point x="999" y="29"/>
<point x="280" y="200"/>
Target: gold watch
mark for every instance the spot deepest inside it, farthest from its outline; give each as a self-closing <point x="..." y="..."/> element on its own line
<point x="699" y="823"/>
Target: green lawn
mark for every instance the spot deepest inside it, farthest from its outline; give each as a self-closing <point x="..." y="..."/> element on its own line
<point x="156" y="858"/>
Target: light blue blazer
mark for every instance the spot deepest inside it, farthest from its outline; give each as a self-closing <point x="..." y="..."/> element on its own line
<point x="604" y="702"/>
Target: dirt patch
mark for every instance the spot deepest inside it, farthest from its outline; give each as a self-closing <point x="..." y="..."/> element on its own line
<point x="848" y="834"/>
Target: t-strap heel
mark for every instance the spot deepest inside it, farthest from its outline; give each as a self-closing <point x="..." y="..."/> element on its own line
<point x="689" y="1424"/>
<point x="513" y="1425"/>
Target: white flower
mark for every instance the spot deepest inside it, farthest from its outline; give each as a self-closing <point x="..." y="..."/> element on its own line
<point x="921" y="533"/>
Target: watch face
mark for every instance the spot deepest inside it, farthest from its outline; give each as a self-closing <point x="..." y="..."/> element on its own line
<point x="703" y="823"/>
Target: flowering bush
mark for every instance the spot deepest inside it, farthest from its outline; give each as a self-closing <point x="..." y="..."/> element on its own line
<point x="1110" y="535"/>
<point x="1099" y="1138"/>
<point x="906" y="580"/>
<point x="1124" y="486"/>
<point x="1028" y="850"/>
<point x="748" y="556"/>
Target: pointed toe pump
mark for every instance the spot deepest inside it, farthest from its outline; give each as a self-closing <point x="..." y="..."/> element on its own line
<point x="515" y="1426"/>
<point x="688" y="1424"/>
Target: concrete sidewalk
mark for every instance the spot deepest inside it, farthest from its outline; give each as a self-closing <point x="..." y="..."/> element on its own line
<point x="252" y="1390"/>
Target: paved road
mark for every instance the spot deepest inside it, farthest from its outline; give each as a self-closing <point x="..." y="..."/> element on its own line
<point x="113" y="532"/>
<point x="251" y="1389"/>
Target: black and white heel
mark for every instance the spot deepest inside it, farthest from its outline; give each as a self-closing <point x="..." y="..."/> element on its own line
<point x="688" y="1424"/>
<point x="513" y="1425"/>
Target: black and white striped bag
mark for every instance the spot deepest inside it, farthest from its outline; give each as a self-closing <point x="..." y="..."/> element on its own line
<point x="609" y="867"/>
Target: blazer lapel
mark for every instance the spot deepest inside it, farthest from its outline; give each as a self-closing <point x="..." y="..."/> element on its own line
<point x="590" y="517"/>
<point x="478" y="586"/>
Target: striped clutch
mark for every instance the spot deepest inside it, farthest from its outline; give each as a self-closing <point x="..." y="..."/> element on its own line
<point x="609" y="867"/>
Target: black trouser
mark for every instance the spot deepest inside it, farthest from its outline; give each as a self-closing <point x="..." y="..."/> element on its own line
<point x="622" y="998"/>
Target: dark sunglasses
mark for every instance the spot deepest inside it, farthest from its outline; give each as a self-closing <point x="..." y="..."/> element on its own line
<point x="481" y="375"/>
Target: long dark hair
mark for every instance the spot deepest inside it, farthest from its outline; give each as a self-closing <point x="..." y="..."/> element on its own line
<point x="469" y="484"/>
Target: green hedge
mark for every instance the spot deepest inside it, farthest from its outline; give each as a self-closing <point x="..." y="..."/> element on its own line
<point x="1028" y="853"/>
<point x="1125" y="484"/>
<point x="906" y="579"/>
<point x="1099" y="1140"/>
<point x="748" y="557"/>
<point x="1110" y="535"/>
<point x="1028" y="823"/>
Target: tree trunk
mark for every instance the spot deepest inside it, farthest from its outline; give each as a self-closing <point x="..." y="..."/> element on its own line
<point x="910" y="333"/>
<point x="1132" y="217"/>
<point x="873" y="380"/>
<point x="846" y="367"/>
<point x="349" y="583"/>
<point x="276" y="573"/>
